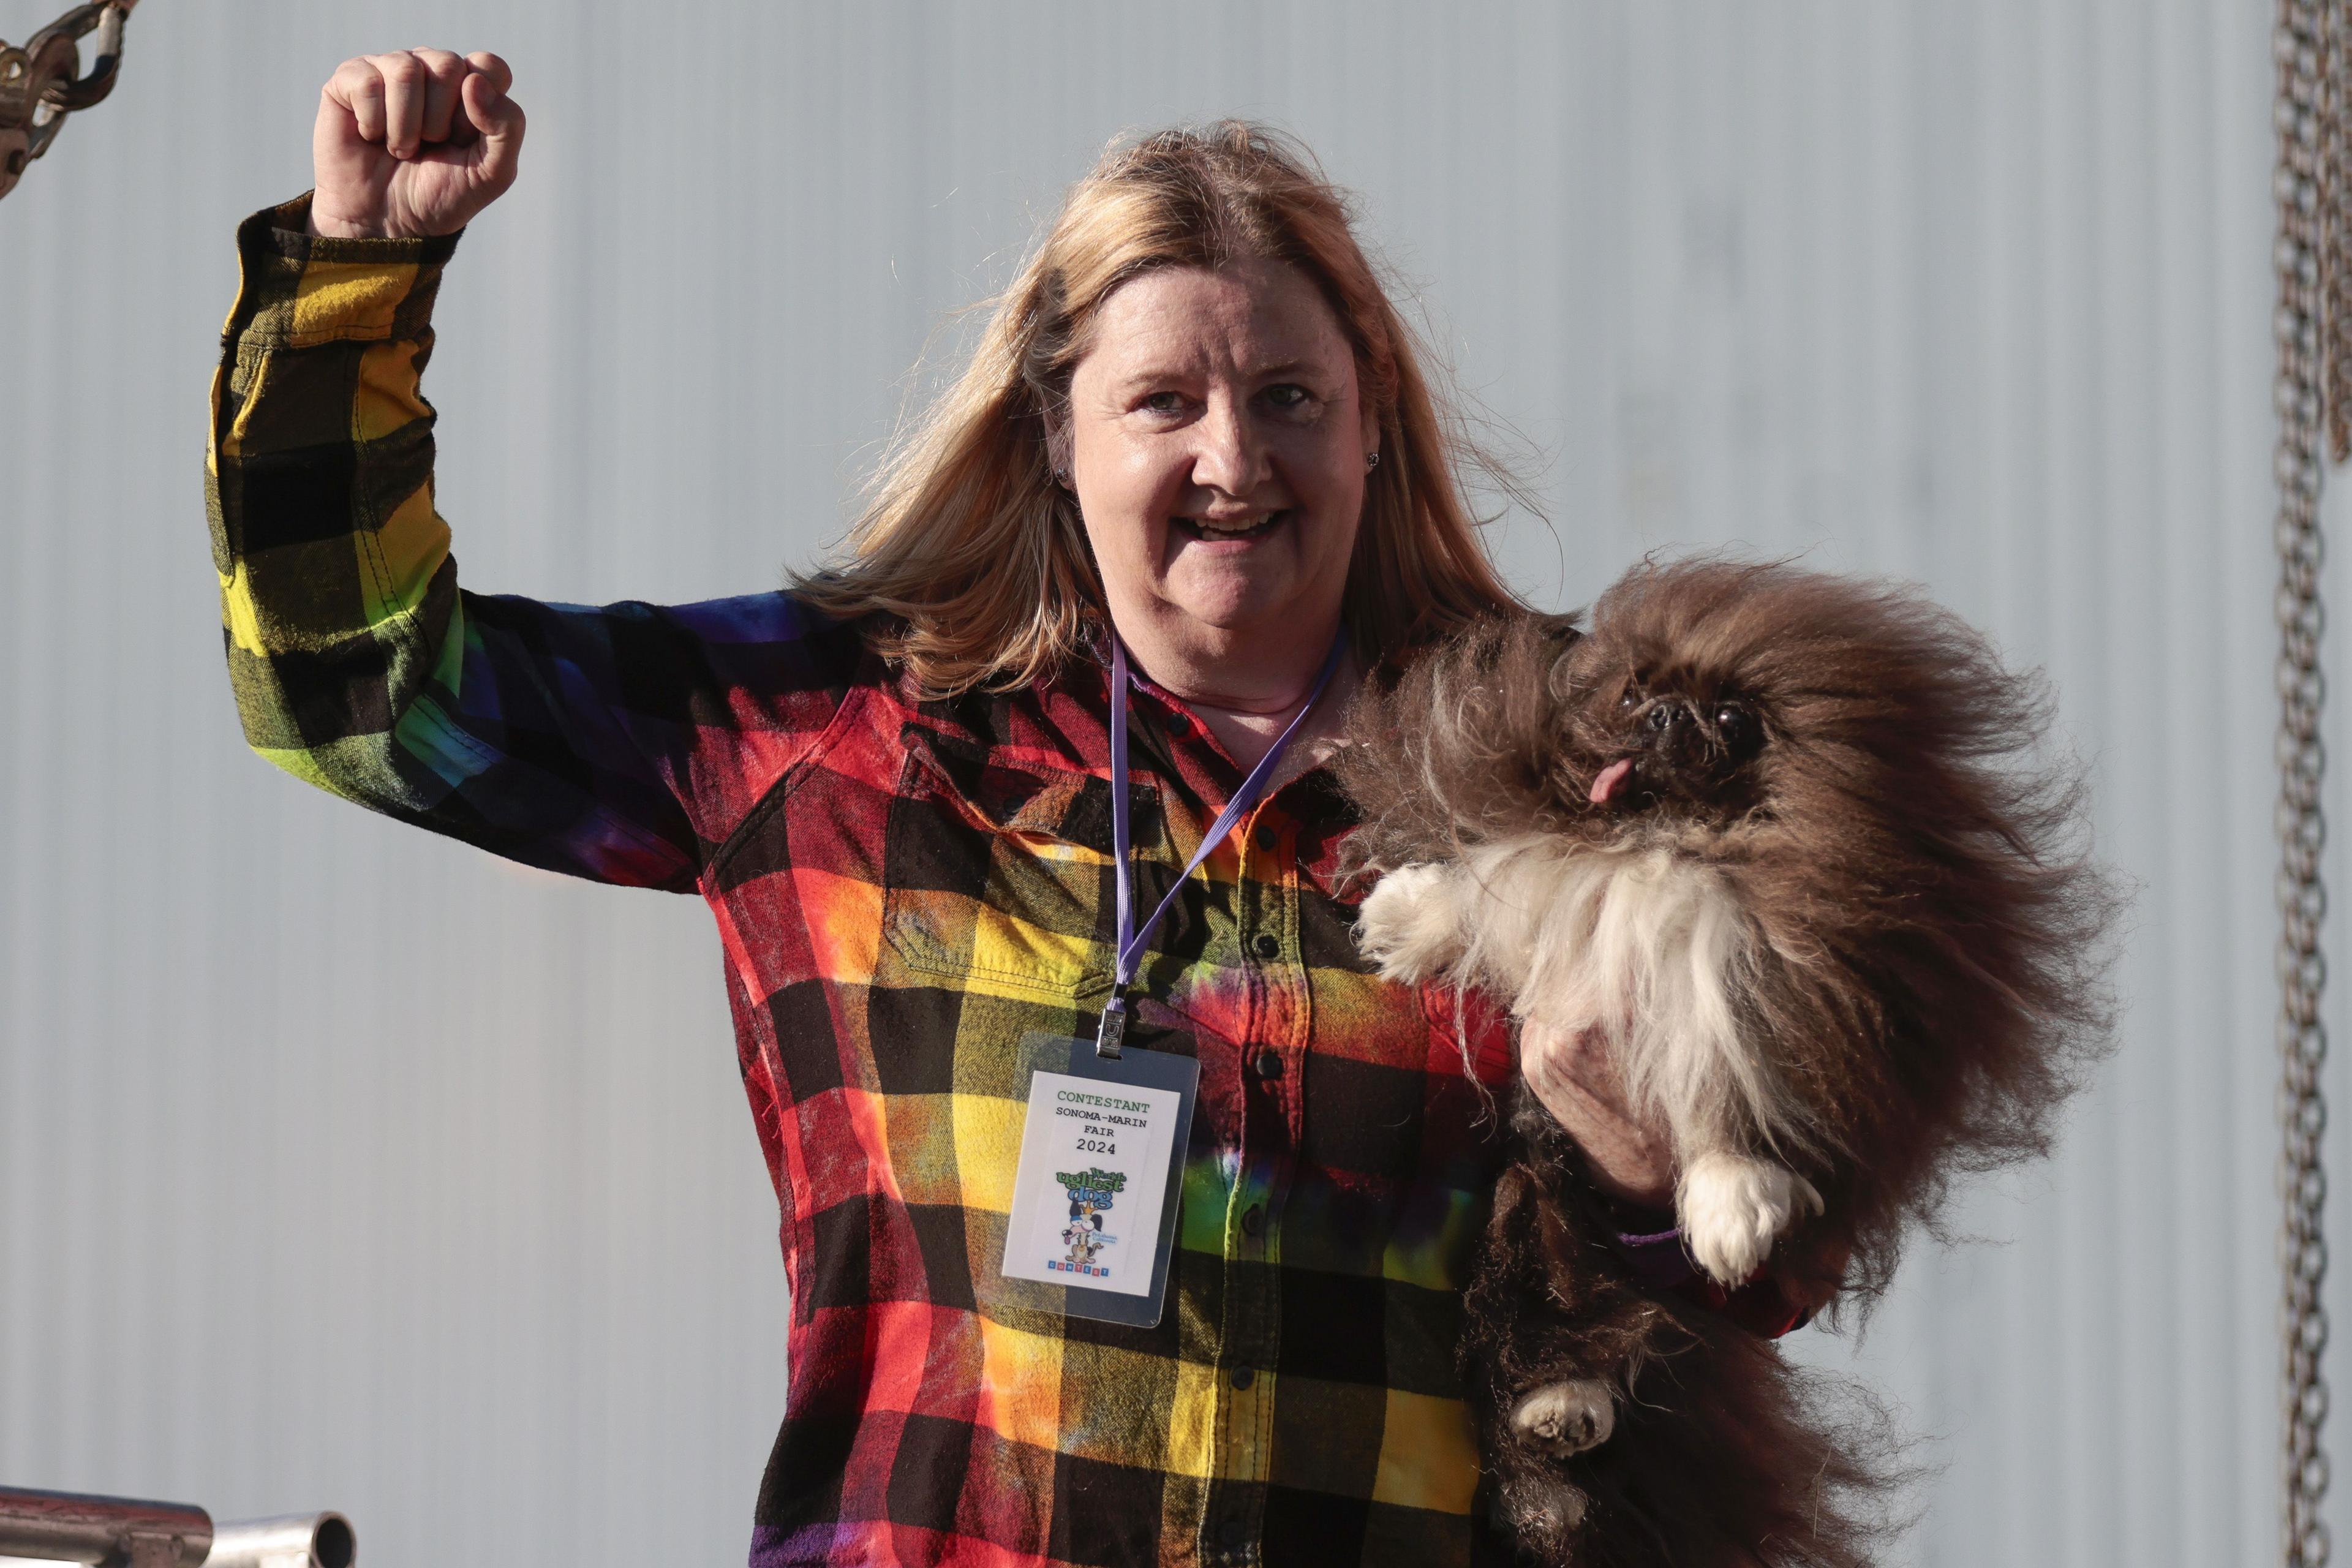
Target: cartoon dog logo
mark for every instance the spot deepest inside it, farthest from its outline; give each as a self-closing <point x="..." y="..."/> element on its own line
<point x="1083" y="1242"/>
<point x="1092" y="1194"/>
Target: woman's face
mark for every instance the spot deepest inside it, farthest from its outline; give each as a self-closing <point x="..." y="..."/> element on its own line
<point x="1218" y="450"/>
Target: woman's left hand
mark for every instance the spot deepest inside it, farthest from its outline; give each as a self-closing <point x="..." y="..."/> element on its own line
<point x="1577" y="1080"/>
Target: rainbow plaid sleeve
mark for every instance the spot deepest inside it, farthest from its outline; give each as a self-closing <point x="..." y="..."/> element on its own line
<point x="559" y="735"/>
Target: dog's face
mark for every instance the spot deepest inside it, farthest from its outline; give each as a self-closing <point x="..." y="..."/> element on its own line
<point x="1660" y="739"/>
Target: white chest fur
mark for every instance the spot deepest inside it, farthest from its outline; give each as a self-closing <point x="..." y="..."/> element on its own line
<point x="1650" y="949"/>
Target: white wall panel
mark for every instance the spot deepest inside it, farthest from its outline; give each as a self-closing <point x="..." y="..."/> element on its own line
<point x="342" y="1166"/>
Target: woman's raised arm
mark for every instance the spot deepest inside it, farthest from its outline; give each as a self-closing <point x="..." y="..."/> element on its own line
<point x="620" y="743"/>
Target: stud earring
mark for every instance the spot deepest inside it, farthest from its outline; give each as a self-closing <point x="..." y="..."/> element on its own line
<point x="1371" y="462"/>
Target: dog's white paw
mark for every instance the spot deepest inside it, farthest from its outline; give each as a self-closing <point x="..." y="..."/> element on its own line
<point x="1546" y="1522"/>
<point x="1408" y="926"/>
<point x="1734" y="1207"/>
<point x="1565" y="1418"/>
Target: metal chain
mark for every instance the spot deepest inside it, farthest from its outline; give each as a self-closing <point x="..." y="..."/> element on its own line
<point x="2312" y="54"/>
<point x="41" y="83"/>
<point x="2335" y="174"/>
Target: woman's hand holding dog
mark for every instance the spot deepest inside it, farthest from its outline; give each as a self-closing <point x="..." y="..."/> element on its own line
<point x="1634" y="1160"/>
<point x="1577" y="1080"/>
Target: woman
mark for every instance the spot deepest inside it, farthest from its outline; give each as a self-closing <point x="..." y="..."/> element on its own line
<point x="1197" y="423"/>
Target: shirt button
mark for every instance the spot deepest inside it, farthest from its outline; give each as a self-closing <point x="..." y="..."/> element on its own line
<point x="1254" y="1220"/>
<point x="1267" y="1064"/>
<point x="1267" y="838"/>
<point x="1244" y="1376"/>
<point x="1268" y="944"/>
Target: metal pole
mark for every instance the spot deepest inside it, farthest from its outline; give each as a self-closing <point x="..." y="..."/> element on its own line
<point x="69" y="1528"/>
<point x="290" y="1541"/>
<point x="122" y="1533"/>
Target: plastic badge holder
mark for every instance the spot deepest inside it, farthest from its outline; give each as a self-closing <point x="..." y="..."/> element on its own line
<point x="1156" y="1072"/>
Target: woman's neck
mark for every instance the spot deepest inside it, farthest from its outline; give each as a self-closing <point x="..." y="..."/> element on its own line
<point x="1247" y="709"/>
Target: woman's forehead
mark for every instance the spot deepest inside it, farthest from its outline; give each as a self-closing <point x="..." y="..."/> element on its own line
<point x="1252" y="317"/>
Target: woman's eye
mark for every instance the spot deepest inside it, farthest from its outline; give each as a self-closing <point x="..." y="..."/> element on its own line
<point x="1165" y="403"/>
<point x="1288" y="394"/>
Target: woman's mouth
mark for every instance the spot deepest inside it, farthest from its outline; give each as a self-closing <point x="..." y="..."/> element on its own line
<point x="1233" y="529"/>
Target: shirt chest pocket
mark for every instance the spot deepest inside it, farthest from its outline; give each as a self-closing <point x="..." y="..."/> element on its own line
<point x="999" y="875"/>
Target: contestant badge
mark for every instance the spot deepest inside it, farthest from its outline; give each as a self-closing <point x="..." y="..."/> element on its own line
<point x="1093" y="1197"/>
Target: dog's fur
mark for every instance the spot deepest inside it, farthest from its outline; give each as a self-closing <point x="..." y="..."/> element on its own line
<point x="1789" y="844"/>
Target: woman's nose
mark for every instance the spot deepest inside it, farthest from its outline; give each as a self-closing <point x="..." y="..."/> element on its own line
<point x="1228" y="454"/>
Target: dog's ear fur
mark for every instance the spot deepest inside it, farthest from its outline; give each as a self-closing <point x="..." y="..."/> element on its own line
<point x="1462" y="747"/>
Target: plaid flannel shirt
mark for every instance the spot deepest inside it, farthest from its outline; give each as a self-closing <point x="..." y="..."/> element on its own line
<point x="903" y="889"/>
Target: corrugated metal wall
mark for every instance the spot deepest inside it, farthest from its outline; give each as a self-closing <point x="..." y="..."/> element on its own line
<point x="339" y="1165"/>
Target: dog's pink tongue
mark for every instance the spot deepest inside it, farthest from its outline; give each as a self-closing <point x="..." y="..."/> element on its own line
<point x="1610" y="777"/>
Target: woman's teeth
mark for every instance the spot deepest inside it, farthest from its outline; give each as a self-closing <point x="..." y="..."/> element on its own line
<point x="1234" y="530"/>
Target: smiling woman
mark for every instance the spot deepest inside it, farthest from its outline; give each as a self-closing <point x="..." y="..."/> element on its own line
<point x="1197" y="408"/>
<point x="1219" y="452"/>
<point x="1218" y="446"/>
<point x="923" y="808"/>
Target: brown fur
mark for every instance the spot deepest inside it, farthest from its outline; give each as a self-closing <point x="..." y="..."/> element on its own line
<point x="1724" y="1456"/>
<point x="1928" y="985"/>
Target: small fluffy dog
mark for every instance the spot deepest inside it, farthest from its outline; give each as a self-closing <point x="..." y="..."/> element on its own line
<point x="1785" y="844"/>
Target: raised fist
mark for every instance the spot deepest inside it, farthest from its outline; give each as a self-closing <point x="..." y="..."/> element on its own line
<point x="412" y="144"/>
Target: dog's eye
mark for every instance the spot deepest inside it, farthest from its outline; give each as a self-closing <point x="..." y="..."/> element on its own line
<point x="1630" y="698"/>
<point x="1737" y="726"/>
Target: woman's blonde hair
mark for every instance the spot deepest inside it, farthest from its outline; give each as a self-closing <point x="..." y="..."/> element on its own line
<point x="973" y="555"/>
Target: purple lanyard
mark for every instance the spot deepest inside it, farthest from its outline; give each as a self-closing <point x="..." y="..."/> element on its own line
<point x="1131" y="938"/>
